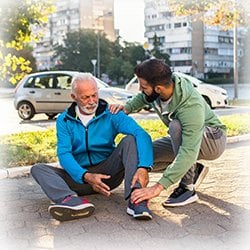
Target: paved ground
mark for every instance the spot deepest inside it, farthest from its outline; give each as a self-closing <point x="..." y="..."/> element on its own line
<point x="219" y="220"/>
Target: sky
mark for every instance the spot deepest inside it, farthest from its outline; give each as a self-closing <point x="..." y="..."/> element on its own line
<point x="129" y="18"/>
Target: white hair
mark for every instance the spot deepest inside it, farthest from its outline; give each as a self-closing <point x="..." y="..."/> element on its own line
<point x="81" y="77"/>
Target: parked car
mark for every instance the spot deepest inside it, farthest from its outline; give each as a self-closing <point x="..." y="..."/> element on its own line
<point x="49" y="93"/>
<point x="215" y="96"/>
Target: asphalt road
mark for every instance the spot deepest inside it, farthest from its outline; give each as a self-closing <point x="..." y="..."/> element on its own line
<point x="11" y="123"/>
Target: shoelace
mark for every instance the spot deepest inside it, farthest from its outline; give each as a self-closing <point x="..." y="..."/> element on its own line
<point x="67" y="198"/>
<point x="179" y="190"/>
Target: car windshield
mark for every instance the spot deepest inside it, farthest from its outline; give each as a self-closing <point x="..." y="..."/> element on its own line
<point x="101" y="84"/>
<point x="190" y="78"/>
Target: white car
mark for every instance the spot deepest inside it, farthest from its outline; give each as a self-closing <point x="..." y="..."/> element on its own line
<point x="49" y="92"/>
<point x="215" y="96"/>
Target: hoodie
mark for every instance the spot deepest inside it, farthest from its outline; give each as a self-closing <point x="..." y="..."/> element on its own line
<point x="194" y="114"/>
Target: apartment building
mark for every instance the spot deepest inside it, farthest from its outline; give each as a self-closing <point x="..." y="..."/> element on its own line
<point x="194" y="47"/>
<point x="72" y="15"/>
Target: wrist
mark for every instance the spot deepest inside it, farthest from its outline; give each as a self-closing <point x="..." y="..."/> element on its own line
<point x="84" y="176"/>
<point x="148" y="169"/>
<point x="159" y="187"/>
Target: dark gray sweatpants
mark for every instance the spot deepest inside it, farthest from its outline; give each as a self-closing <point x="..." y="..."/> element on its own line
<point x="120" y="165"/>
<point x="165" y="149"/>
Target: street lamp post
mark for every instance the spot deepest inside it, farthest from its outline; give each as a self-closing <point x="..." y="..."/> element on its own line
<point x="98" y="54"/>
<point x="93" y="61"/>
<point x="236" y="73"/>
<point x="98" y="43"/>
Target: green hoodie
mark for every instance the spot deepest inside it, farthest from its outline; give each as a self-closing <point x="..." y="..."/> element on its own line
<point x="194" y="114"/>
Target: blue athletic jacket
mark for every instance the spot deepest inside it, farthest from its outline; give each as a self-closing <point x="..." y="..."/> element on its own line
<point x="80" y="146"/>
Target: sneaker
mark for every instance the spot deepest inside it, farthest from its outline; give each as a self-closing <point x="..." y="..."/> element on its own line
<point x="200" y="173"/>
<point x="180" y="197"/>
<point x="139" y="211"/>
<point x="71" y="208"/>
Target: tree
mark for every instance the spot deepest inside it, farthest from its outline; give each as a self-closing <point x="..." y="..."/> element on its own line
<point x="18" y="18"/>
<point x="121" y="68"/>
<point x="224" y="13"/>
<point x="227" y="14"/>
<point x="80" y="47"/>
<point x="156" y="51"/>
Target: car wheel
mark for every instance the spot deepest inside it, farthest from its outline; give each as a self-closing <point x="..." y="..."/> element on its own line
<point x="26" y="111"/>
<point x="208" y="101"/>
<point x="51" y="115"/>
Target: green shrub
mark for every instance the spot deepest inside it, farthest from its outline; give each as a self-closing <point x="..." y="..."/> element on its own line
<point x="28" y="148"/>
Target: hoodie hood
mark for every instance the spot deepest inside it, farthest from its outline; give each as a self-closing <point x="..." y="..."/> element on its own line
<point x="183" y="91"/>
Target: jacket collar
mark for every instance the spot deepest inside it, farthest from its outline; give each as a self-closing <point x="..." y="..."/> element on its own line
<point x="102" y="105"/>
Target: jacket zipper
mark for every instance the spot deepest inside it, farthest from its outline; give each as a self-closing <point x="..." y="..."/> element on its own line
<point x="87" y="146"/>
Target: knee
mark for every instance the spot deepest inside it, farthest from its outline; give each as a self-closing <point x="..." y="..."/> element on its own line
<point x="128" y="139"/>
<point x="36" y="169"/>
<point x="175" y="128"/>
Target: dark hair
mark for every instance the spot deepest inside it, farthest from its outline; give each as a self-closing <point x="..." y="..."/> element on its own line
<point x="154" y="71"/>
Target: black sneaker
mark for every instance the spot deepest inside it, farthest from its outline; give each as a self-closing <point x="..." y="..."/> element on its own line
<point x="200" y="173"/>
<point x="139" y="211"/>
<point x="71" y="208"/>
<point x="180" y="197"/>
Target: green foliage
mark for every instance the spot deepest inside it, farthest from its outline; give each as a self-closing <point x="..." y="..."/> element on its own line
<point x="28" y="148"/>
<point x="17" y="20"/>
<point x="156" y="51"/>
<point x="237" y="124"/>
<point x="79" y="49"/>
<point x="225" y="13"/>
<point x="118" y="61"/>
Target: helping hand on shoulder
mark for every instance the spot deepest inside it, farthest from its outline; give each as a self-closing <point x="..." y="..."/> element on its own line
<point x="115" y="108"/>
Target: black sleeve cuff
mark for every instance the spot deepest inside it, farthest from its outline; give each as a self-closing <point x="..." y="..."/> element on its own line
<point x="147" y="168"/>
<point x="83" y="177"/>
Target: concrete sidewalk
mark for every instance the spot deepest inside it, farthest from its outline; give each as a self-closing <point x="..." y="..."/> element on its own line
<point x="220" y="219"/>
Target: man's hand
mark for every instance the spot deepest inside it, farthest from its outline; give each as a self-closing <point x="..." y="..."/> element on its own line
<point x="141" y="176"/>
<point x="115" y="108"/>
<point x="95" y="180"/>
<point x="141" y="194"/>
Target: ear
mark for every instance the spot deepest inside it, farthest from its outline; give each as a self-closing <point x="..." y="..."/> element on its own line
<point x="73" y="96"/>
<point x="158" y="89"/>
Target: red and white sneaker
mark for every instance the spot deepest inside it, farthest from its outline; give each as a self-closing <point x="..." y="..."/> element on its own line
<point x="71" y="208"/>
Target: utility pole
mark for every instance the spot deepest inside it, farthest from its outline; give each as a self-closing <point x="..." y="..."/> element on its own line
<point x="98" y="43"/>
<point x="236" y="73"/>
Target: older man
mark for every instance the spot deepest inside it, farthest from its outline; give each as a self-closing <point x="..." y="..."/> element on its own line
<point x="91" y="163"/>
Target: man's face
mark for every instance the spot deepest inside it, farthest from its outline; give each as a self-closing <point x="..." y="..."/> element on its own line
<point x="86" y="97"/>
<point x="148" y="90"/>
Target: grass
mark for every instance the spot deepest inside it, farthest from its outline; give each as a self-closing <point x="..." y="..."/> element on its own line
<point x="239" y="102"/>
<point x="28" y="148"/>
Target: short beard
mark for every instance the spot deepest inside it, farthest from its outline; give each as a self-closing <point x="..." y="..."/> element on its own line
<point x="88" y="111"/>
<point x="152" y="97"/>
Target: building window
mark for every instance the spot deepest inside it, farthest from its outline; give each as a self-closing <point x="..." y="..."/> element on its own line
<point x="181" y="63"/>
<point x="168" y="26"/>
<point x="177" y="25"/>
<point x="211" y="51"/>
<point x="225" y="39"/>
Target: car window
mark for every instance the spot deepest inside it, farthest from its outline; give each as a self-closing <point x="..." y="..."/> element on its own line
<point x="64" y="81"/>
<point x="41" y="82"/>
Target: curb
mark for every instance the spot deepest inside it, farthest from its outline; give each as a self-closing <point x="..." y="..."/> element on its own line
<point x="25" y="170"/>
